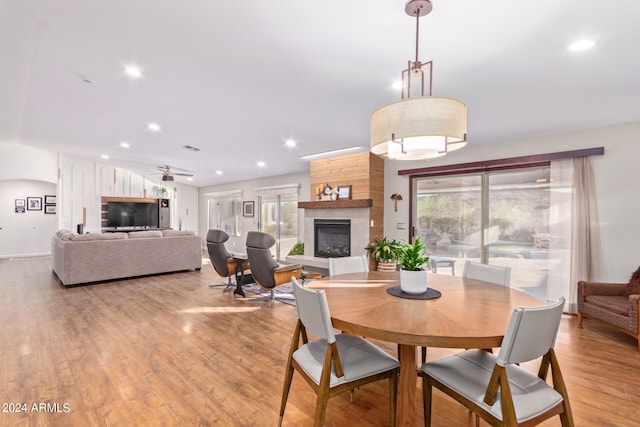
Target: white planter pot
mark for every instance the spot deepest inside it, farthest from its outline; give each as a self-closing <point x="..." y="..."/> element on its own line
<point x="413" y="282"/>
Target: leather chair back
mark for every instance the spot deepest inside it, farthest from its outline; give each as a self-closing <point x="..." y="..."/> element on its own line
<point x="350" y="264"/>
<point x="313" y="311"/>
<point x="531" y="333"/>
<point x="260" y="259"/>
<point x="487" y="273"/>
<point x="217" y="251"/>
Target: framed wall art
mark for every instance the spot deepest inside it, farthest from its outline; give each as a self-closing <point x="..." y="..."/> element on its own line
<point x="34" y="203"/>
<point x="50" y="200"/>
<point x="20" y="205"/>
<point x="344" y="192"/>
<point x="247" y="208"/>
<point x="50" y="209"/>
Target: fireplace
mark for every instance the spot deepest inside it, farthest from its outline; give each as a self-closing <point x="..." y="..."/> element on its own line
<point x="332" y="238"/>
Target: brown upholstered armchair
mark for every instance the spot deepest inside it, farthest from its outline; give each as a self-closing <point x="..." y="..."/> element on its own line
<point x="613" y="303"/>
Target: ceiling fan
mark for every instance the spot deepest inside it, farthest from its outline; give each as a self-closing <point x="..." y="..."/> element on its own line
<point x="167" y="173"/>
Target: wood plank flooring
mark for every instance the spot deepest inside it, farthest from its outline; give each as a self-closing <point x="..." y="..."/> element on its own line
<point x="168" y="350"/>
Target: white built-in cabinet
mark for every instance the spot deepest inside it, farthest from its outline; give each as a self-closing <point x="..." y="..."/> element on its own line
<point x="82" y="184"/>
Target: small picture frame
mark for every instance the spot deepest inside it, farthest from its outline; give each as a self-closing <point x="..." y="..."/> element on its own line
<point x="50" y="209"/>
<point x="34" y="203"/>
<point x="344" y="192"/>
<point x="49" y="200"/>
<point x="20" y="205"/>
<point x="247" y="208"/>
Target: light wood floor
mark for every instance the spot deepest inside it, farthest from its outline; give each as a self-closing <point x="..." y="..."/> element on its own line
<point x="168" y="350"/>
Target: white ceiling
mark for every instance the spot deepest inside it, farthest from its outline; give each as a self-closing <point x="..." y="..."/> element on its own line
<point x="237" y="78"/>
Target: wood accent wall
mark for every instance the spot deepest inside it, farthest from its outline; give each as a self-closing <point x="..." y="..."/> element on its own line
<point x="364" y="172"/>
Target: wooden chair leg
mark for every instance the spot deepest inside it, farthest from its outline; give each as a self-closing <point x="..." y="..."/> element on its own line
<point x="285" y="391"/>
<point x="393" y="397"/>
<point x="579" y="319"/>
<point x="426" y="401"/>
<point x="321" y="407"/>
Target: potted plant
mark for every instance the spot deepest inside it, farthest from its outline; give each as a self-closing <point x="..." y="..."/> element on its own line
<point x="413" y="275"/>
<point x="384" y="252"/>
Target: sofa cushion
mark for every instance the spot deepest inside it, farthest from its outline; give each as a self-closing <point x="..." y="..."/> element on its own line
<point x="65" y="234"/>
<point x="145" y="234"/>
<point x="615" y="304"/>
<point x="98" y="236"/>
<point x="171" y="233"/>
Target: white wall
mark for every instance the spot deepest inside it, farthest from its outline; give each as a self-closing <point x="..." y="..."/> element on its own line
<point x="247" y="188"/>
<point x="25" y="172"/>
<point x="28" y="233"/>
<point x="79" y="185"/>
<point x="617" y="176"/>
<point x="19" y="161"/>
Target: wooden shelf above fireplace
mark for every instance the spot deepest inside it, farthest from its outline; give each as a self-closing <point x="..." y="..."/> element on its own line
<point x="332" y="204"/>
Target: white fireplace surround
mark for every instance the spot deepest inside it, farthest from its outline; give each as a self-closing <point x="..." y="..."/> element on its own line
<point x="359" y="233"/>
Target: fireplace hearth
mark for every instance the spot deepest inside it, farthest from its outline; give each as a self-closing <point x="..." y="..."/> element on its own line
<point x="332" y="238"/>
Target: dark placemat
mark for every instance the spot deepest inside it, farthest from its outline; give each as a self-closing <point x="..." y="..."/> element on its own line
<point x="429" y="294"/>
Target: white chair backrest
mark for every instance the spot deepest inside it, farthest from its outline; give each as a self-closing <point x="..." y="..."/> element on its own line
<point x="531" y="333"/>
<point x="313" y="311"/>
<point x="487" y="273"/>
<point x="348" y="264"/>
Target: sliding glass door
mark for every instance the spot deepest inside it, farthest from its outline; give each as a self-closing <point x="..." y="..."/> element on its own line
<point x="279" y="217"/>
<point x="499" y="218"/>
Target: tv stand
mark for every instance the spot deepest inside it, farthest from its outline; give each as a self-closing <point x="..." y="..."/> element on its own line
<point x="164" y="214"/>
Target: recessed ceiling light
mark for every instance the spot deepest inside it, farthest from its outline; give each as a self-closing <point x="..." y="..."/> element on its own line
<point x="290" y="143"/>
<point x="105" y="157"/>
<point x="581" y="45"/>
<point x="397" y="85"/>
<point x="153" y="127"/>
<point x="124" y="144"/>
<point x="261" y="164"/>
<point x="218" y="172"/>
<point x="189" y="178"/>
<point x="133" y="71"/>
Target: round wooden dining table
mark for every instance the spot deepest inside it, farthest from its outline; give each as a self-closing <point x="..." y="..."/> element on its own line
<point x="468" y="314"/>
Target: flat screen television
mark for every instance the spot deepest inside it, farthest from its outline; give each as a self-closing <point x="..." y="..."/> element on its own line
<point x="132" y="214"/>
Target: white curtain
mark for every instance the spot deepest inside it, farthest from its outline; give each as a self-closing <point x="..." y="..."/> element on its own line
<point x="574" y="248"/>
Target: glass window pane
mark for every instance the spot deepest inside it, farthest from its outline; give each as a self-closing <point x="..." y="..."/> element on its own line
<point x="448" y="219"/>
<point x="224" y="214"/>
<point x="518" y="231"/>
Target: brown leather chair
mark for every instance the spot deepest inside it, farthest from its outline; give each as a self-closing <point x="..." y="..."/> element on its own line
<point x="223" y="262"/>
<point x="613" y="303"/>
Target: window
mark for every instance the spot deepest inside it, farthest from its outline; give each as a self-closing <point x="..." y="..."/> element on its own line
<point x="499" y="218"/>
<point x="224" y="212"/>
<point x="278" y="210"/>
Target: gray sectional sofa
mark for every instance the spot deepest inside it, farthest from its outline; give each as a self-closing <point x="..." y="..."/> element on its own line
<point x="86" y="258"/>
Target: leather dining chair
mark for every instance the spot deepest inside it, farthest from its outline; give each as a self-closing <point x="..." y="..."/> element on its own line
<point x="496" y="388"/>
<point x="348" y="264"/>
<point x="333" y="363"/>
<point x="223" y="262"/>
<point x="487" y="273"/>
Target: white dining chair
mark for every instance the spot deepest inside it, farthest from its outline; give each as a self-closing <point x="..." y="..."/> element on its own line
<point x="487" y="273"/>
<point x="496" y="388"/>
<point x="348" y="264"/>
<point x="332" y="363"/>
